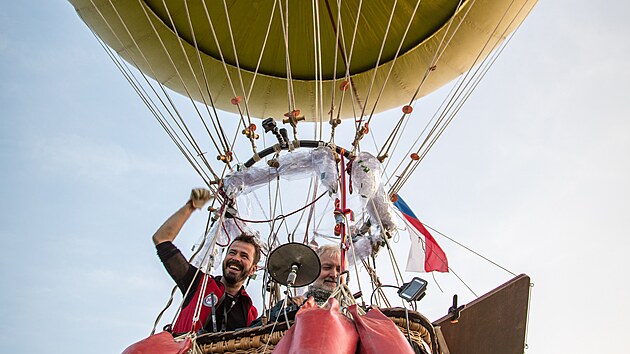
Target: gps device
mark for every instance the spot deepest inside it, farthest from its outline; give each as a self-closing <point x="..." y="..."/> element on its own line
<point x="413" y="290"/>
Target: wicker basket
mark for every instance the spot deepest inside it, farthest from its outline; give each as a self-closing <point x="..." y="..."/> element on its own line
<point x="262" y="340"/>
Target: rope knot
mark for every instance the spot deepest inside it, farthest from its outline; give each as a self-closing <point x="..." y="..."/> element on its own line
<point x="340" y="215"/>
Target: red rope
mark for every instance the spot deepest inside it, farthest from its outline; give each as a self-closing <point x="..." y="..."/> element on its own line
<point x="223" y="226"/>
<point x="228" y="236"/>
<point x="341" y="211"/>
<point x="282" y="216"/>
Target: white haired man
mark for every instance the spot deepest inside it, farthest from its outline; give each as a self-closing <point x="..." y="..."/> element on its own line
<point x="320" y="290"/>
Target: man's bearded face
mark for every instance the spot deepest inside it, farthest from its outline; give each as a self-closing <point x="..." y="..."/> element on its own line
<point x="331" y="269"/>
<point x="238" y="263"/>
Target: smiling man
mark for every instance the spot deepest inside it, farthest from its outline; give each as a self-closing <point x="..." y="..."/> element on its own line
<point x="224" y="304"/>
<point x="320" y="290"/>
<point x="330" y="259"/>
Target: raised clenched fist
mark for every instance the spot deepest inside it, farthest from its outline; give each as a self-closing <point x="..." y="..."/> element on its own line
<point x="199" y="197"/>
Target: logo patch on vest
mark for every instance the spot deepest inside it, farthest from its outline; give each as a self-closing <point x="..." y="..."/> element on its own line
<point x="210" y="299"/>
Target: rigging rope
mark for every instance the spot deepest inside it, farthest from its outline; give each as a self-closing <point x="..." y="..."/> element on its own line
<point x="471" y="250"/>
<point x="347" y="82"/>
<point x="236" y="100"/>
<point x="311" y="213"/>
<point x="214" y="119"/>
<point x="279" y="217"/>
<point x="333" y="82"/>
<point x="142" y="94"/>
<point x="444" y="120"/>
<point x="194" y="75"/>
<point x="317" y="58"/>
<point x="284" y="220"/>
<point x="340" y="40"/>
<point x="393" y="63"/>
<point x="378" y="61"/>
<point x="168" y="55"/>
<point x="238" y="67"/>
<point x="430" y="68"/>
<point x="457" y="98"/>
<point x="262" y="50"/>
<point x="308" y="197"/>
<point x="284" y="20"/>
<point x="145" y="97"/>
<point x="353" y="92"/>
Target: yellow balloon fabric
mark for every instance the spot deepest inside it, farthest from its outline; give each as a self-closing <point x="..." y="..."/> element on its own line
<point x="186" y="44"/>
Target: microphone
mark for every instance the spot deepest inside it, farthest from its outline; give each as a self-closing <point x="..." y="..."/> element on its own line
<point x="293" y="275"/>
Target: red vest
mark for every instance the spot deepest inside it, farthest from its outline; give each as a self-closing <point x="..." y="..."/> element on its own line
<point x="213" y="289"/>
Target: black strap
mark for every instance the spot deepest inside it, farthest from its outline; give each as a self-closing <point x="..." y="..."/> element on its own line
<point x="226" y="311"/>
<point x="213" y="315"/>
<point x="213" y="318"/>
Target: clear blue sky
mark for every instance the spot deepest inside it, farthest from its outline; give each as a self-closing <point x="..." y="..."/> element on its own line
<point x="533" y="173"/>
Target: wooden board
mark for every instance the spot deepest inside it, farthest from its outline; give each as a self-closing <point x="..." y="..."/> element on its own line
<point x="494" y="323"/>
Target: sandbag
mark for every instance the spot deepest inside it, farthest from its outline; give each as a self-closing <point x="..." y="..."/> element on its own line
<point x="161" y="343"/>
<point x="378" y="334"/>
<point x="318" y="331"/>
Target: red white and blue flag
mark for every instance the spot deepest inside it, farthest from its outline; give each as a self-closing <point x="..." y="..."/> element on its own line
<point x="425" y="255"/>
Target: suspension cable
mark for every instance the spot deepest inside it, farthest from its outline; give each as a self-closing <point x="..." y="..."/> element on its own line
<point x="145" y="97"/>
<point x="284" y="19"/>
<point x="169" y="57"/>
<point x="378" y="61"/>
<point x="192" y="72"/>
<point x="236" y="102"/>
<point x="471" y="250"/>
<point x="464" y="89"/>
<point x="430" y="68"/>
<point x="262" y="50"/>
<point x="240" y="76"/>
<point x="214" y="119"/>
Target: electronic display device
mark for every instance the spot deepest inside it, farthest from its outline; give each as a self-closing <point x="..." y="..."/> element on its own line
<point x="413" y="290"/>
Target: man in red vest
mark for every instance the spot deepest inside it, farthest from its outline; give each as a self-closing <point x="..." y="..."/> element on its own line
<point x="220" y="302"/>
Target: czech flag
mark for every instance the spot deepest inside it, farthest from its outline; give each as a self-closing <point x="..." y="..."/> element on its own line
<point x="425" y="255"/>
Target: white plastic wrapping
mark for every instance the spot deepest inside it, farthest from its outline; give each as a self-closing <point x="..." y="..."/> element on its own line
<point x="366" y="175"/>
<point x="363" y="246"/>
<point x="226" y="231"/>
<point x="367" y="182"/>
<point x="380" y="210"/>
<point x="366" y="240"/>
<point x="366" y="179"/>
<point x="318" y="162"/>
